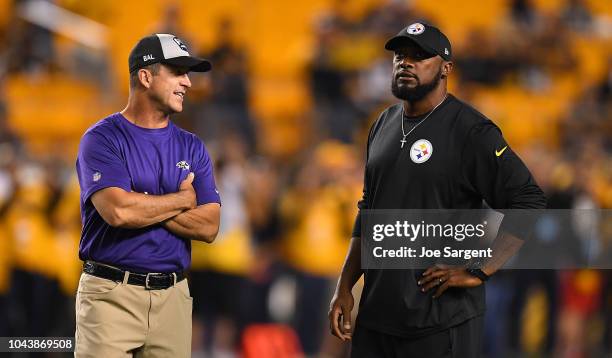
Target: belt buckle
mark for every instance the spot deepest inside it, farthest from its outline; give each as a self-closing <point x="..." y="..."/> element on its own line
<point x="149" y="287"/>
<point x="88" y="267"/>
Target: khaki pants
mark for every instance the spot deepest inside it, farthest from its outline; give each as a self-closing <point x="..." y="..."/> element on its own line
<point x="114" y="319"/>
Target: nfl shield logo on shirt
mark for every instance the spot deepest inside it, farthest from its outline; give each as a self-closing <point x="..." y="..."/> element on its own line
<point x="97" y="176"/>
<point x="421" y="151"/>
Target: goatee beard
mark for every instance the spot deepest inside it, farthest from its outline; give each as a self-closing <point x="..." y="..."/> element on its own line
<point x="417" y="93"/>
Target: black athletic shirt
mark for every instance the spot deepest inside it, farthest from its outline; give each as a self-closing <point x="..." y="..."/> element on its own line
<point x="466" y="164"/>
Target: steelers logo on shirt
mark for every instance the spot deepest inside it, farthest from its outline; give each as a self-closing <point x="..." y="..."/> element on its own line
<point x="421" y="151"/>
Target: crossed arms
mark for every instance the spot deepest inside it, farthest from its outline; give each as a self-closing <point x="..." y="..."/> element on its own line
<point x="178" y="212"/>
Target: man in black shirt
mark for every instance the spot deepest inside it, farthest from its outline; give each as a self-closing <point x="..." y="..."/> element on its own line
<point x="432" y="151"/>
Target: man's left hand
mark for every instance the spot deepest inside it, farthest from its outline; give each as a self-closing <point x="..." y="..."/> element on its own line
<point x="444" y="276"/>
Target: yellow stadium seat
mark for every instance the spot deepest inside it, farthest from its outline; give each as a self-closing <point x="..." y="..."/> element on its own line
<point x="51" y="109"/>
<point x="592" y="56"/>
<point x="455" y="18"/>
<point x="549" y="6"/>
<point x="600" y="7"/>
<point x="6" y="7"/>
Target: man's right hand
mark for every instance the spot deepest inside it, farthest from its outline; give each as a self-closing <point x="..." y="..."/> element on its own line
<point x="340" y="314"/>
<point x="188" y="192"/>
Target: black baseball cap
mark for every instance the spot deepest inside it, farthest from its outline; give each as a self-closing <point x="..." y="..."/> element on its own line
<point x="427" y="37"/>
<point x="165" y="48"/>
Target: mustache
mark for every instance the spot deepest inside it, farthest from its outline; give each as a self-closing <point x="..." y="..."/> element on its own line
<point x="405" y="74"/>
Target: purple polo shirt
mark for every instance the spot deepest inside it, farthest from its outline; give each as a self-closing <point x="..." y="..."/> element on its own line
<point x="116" y="153"/>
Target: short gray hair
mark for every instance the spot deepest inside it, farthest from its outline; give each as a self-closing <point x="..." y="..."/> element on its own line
<point x="154" y="68"/>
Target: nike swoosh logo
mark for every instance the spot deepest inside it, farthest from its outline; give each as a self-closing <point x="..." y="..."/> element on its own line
<point x="500" y="152"/>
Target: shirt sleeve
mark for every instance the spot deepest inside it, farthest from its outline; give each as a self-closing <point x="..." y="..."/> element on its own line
<point x="204" y="181"/>
<point x="500" y="177"/>
<point x="99" y="165"/>
<point x="363" y="203"/>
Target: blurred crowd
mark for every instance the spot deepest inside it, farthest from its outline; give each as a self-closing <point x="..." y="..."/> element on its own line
<point x="286" y="221"/>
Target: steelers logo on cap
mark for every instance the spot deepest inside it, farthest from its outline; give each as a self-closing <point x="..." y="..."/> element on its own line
<point x="421" y="151"/>
<point x="416" y="29"/>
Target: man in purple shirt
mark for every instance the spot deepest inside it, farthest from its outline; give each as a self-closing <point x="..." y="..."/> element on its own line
<point x="147" y="190"/>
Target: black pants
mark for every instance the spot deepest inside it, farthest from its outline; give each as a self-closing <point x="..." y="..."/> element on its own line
<point x="461" y="341"/>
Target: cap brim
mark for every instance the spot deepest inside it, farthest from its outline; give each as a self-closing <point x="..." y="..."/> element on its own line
<point x="400" y="40"/>
<point x="193" y="63"/>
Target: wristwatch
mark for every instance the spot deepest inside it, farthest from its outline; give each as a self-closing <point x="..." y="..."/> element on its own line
<point x="476" y="271"/>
